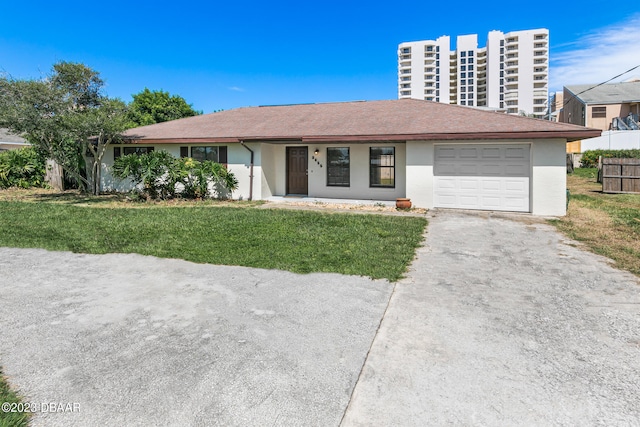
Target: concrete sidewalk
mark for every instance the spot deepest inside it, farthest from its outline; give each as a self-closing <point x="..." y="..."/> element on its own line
<point x="504" y="323"/>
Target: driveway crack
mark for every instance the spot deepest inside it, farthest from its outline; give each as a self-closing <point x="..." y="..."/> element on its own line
<point x="366" y="359"/>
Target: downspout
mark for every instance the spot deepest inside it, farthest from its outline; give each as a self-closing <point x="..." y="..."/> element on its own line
<point x="250" y="171"/>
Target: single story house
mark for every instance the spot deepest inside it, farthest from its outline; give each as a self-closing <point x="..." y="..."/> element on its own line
<point x="438" y="155"/>
<point x="9" y="141"/>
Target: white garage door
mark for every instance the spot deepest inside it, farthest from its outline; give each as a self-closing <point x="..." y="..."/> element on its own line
<point x="486" y="177"/>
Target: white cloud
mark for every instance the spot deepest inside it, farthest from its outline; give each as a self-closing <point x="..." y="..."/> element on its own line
<point x="236" y="89"/>
<point x="597" y="57"/>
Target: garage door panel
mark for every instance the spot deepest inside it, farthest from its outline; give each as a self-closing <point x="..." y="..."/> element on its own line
<point x="491" y="185"/>
<point x="466" y="184"/>
<point x="465" y="169"/>
<point x="516" y="170"/>
<point x="444" y="169"/>
<point x="497" y="178"/>
<point x="447" y="153"/>
<point x="447" y="183"/>
<point x="468" y="153"/>
<point x="491" y="153"/>
<point x="517" y="153"/>
<point x="520" y="186"/>
<point x="447" y="201"/>
<point x="492" y="169"/>
<point x="468" y="201"/>
<point x="516" y="204"/>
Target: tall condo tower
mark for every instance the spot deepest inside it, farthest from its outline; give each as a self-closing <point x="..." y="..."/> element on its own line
<point x="510" y="73"/>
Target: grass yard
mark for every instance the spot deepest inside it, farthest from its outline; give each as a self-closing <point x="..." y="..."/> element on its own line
<point x="8" y="418"/>
<point x="608" y="224"/>
<point x="377" y="246"/>
<point x="230" y="233"/>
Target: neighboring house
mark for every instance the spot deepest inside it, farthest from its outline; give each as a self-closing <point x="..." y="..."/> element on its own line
<point x="9" y="141"/>
<point x="510" y="73"/>
<point x="438" y="155"/>
<point x="613" y="108"/>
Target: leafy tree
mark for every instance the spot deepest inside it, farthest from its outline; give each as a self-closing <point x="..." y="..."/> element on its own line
<point x="97" y="128"/>
<point x="149" y="107"/>
<point x="64" y="116"/>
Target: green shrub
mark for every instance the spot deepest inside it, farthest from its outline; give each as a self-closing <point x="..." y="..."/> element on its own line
<point x="162" y="176"/>
<point x="590" y="157"/>
<point x="22" y="168"/>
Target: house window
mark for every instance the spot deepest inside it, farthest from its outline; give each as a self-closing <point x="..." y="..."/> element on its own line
<point x="118" y="151"/>
<point x="213" y="153"/>
<point x="382" y="167"/>
<point x="338" y="174"/>
<point x="598" y="112"/>
<point x="137" y="150"/>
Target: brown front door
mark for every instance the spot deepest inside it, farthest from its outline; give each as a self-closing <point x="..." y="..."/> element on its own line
<point x="297" y="179"/>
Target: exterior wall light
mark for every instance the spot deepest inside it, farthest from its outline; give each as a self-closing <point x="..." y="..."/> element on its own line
<point x="316" y="152"/>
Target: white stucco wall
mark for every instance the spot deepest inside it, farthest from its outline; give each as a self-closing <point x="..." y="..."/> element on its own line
<point x="359" y="170"/>
<point x="549" y="178"/>
<point x="420" y="161"/>
<point x="613" y="140"/>
<point x="268" y="170"/>
<point x="317" y="172"/>
<point x="239" y="162"/>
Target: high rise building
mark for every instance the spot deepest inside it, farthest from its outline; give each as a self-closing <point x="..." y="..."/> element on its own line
<point x="510" y="73"/>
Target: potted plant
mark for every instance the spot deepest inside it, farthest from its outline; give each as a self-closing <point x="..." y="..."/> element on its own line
<point x="403" y="203"/>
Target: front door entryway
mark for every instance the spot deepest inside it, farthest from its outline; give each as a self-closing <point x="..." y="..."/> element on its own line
<point x="297" y="172"/>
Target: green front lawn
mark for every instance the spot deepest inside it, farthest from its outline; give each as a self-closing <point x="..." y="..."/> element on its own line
<point x="376" y="246"/>
<point x="607" y="224"/>
<point x="8" y="415"/>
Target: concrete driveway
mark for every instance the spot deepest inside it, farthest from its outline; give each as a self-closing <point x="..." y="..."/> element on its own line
<point x="504" y="323"/>
<point x="130" y="340"/>
<point x="500" y="322"/>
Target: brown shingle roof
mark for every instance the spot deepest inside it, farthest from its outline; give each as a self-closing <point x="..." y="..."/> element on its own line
<point x="403" y="119"/>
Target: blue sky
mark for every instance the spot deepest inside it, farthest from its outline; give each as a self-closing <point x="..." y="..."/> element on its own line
<point x="245" y="53"/>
